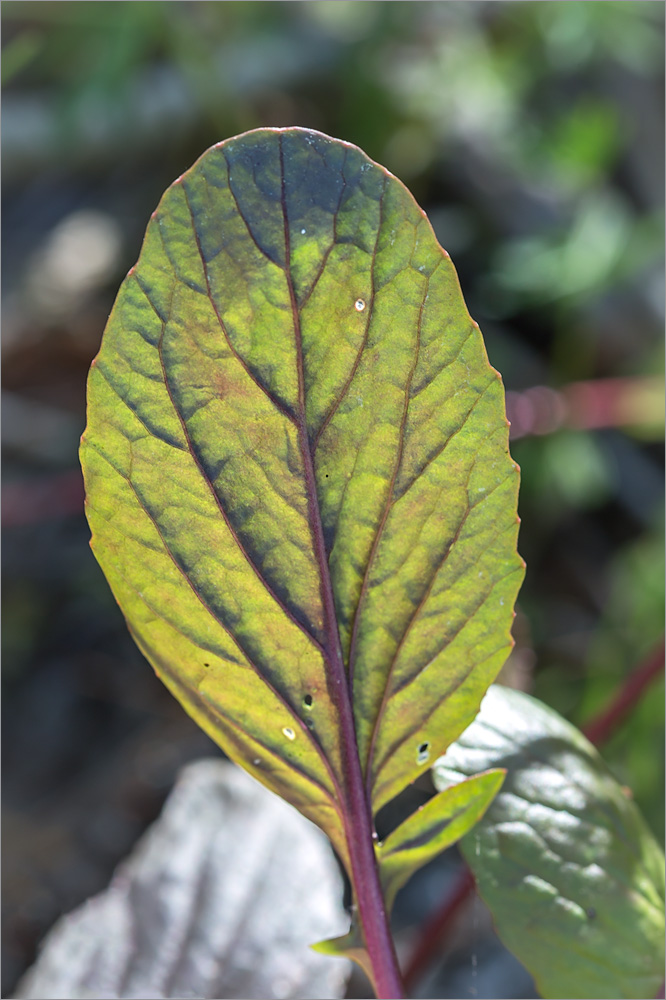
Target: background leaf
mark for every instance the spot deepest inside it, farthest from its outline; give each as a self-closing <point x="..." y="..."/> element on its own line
<point x="210" y="904"/>
<point x="563" y="858"/>
<point x="297" y="470"/>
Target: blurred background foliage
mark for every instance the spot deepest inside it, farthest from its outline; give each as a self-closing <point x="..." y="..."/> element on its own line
<point x="532" y="134"/>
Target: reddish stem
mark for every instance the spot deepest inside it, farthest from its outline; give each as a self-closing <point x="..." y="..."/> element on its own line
<point x="602" y="727"/>
<point x="436" y="926"/>
<point x="604" y="402"/>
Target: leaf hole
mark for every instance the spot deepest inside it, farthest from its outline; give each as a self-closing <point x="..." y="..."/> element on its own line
<point x="308" y="701"/>
<point x="289" y="733"/>
<point x="309" y="723"/>
<point x="206" y="664"/>
<point x="423" y="753"/>
<point x="359" y="305"/>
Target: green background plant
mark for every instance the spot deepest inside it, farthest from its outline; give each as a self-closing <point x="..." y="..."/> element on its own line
<point x="567" y="864"/>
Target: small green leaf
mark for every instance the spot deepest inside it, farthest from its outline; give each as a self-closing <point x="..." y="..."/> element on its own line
<point x="350" y="945"/>
<point x="297" y="472"/>
<point x="563" y="858"/>
<point x="432" y="828"/>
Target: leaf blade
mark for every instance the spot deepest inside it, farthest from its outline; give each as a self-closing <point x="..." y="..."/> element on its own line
<point x="432" y="828"/>
<point x="251" y="513"/>
<point x="160" y="385"/>
<point x="349" y="945"/>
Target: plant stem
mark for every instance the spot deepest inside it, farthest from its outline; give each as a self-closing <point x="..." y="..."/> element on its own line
<point x="604" y="402"/>
<point x="357" y="814"/>
<point x="436" y="925"/>
<point x="607" y="722"/>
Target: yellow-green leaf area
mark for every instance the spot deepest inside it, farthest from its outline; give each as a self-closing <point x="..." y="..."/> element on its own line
<point x="350" y="945"/>
<point x="297" y="470"/>
<point x="432" y="828"/>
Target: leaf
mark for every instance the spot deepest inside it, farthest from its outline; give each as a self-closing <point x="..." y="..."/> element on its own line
<point x="297" y="472"/>
<point x="570" y="871"/>
<point x="432" y="828"/>
<point x="350" y="945"/>
<point x="420" y="838"/>
<point x="209" y="904"/>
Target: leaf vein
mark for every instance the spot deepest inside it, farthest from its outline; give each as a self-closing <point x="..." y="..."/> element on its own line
<point x="452" y="636"/>
<point x="163" y="319"/>
<point x="387" y="507"/>
<point x="242" y="362"/>
<point x="298" y="721"/>
<point x="242" y="214"/>
<point x="545" y="762"/>
<point x="443" y="447"/>
<point x="386" y="695"/>
<point x="445" y="367"/>
<point x="324" y="260"/>
<point x="135" y="411"/>
<point x="196" y="458"/>
<point x="435" y="706"/>
<point x="345" y="388"/>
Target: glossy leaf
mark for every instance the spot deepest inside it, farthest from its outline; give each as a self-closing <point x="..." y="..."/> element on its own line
<point x="563" y="858"/>
<point x="432" y="828"/>
<point x="297" y="471"/>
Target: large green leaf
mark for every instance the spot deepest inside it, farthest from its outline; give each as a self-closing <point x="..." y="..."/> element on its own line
<point x="565" y="861"/>
<point x="297" y="472"/>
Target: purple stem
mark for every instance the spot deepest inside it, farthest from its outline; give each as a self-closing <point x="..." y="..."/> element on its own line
<point x="357" y="815"/>
<point x="357" y="812"/>
<point x="603" y="726"/>
<point x="436" y="926"/>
